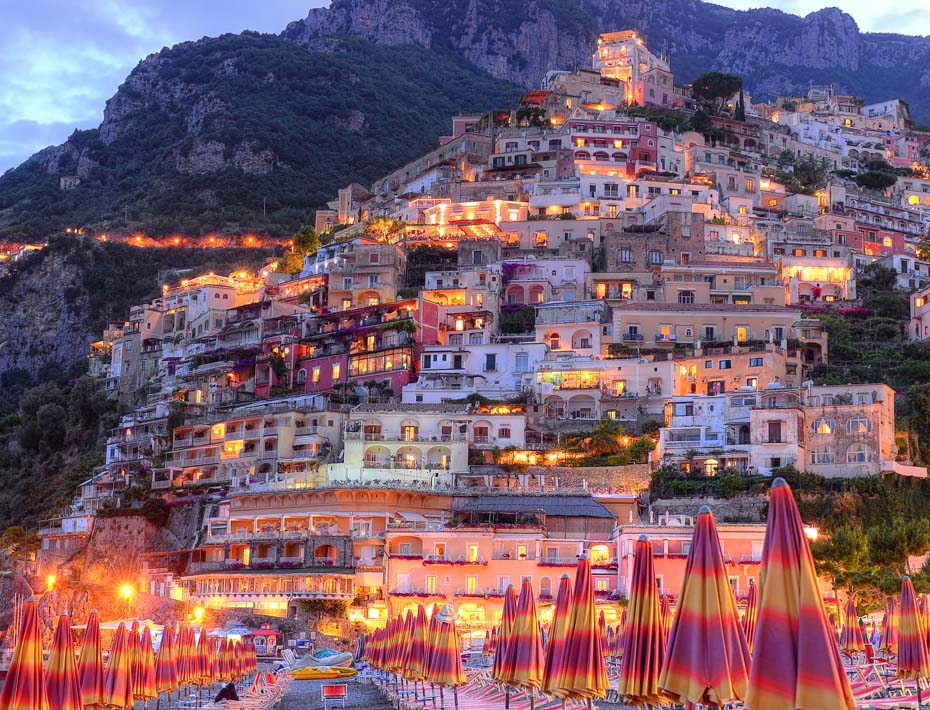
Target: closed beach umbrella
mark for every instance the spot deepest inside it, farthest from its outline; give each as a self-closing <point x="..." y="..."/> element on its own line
<point x="752" y="613"/>
<point x="143" y="684"/>
<point x="851" y="638"/>
<point x="602" y="632"/>
<point x="445" y="659"/>
<point x="796" y="661"/>
<point x="522" y="666"/>
<point x="558" y="633"/>
<point x="707" y="659"/>
<point x="117" y="691"/>
<point x="24" y="685"/>
<point x="187" y="656"/>
<point x="90" y="664"/>
<point x="888" y="641"/>
<point x="166" y="669"/>
<point x="583" y="675"/>
<point x="135" y="658"/>
<point x="405" y="640"/>
<point x="504" y="631"/>
<point x="61" y="676"/>
<point x="415" y="667"/>
<point x="643" y="635"/>
<point x="913" y="660"/>
<point x="665" y="610"/>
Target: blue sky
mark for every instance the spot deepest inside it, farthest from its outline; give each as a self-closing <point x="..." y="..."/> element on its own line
<point x="61" y="60"/>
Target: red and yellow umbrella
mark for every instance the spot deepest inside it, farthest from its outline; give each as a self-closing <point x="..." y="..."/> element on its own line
<point x="188" y="672"/>
<point x="90" y="664"/>
<point x="707" y="659"/>
<point x="643" y="634"/>
<point x="204" y="659"/>
<point x="504" y="632"/>
<point x="558" y="633"/>
<point x="581" y="672"/>
<point x="851" y="638"/>
<point x="522" y="664"/>
<point x="415" y="665"/>
<point x="118" y="679"/>
<point x="888" y="641"/>
<point x="445" y="659"/>
<point x="796" y="661"/>
<point x="134" y="643"/>
<point x="143" y="684"/>
<point x="602" y="632"/>
<point x="24" y="685"/>
<point x="752" y="613"/>
<point x="404" y="642"/>
<point x="166" y="667"/>
<point x="665" y="610"/>
<point x="913" y="660"/>
<point x="61" y="676"/>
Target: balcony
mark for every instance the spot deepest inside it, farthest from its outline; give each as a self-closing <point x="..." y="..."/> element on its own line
<point x="527" y="557"/>
<point x="633" y="337"/>
<point x="666" y="337"/>
<point x="402" y="439"/>
<point x="306" y="430"/>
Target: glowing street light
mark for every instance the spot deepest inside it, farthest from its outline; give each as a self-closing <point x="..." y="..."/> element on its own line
<point x="50" y="582"/>
<point x="126" y="592"/>
<point x="198" y="614"/>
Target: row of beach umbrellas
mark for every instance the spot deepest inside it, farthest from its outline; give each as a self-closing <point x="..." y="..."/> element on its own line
<point x="132" y="672"/>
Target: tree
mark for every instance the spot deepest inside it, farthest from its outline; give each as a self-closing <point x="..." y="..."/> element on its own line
<point x="876" y="179"/>
<point x="306" y="240"/>
<point x="385" y="229"/>
<point x="712" y="89"/>
<point x="740" y="113"/>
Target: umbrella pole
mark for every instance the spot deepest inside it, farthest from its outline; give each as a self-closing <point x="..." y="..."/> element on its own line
<point x="506" y="697"/>
<point x="455" y="696"/>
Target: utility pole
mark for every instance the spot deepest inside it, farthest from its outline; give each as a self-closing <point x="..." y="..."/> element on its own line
<point x="264" y="207"/>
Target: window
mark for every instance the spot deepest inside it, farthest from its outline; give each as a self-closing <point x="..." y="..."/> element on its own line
<point x="522" y="362"/>
<point x="755" y="362"/>
<point x="374" y="258"/>
<point x="774" y="430"/>
<point x="822" y="455"/>
<point x="409" y="432"/>
<point x="374" y="280"/>
<point x="316" y="374"/>
<point x="655" y="256"/>
<point x="477" y="257"/>
<point x="347" y="283"/>
<point x="337" y="368"/>
<point x="686" y="297"/>
<point x="472" y="553"/>
<point x="858" y="453"/>
<point x="431" y="584"/>
<point x="503" y="432"/>
<point x="710" y="332"/>
<point x="725" y="364"/>
<point x="683" y="409"/>
<point x="626" y="255"/>
<point x="490" y="362"/>
<point x="742" y="333"/>
<point x="823" y="425"/>
<point x="858" y="425"/>
<point x="301" y="376"/>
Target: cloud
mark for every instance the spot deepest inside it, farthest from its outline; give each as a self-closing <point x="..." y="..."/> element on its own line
<point x="59" y="63"/>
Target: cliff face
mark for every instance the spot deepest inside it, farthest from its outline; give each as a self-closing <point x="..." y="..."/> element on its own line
<point x="776" y="52"/>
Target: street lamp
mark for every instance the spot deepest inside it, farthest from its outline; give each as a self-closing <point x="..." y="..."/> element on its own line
<point x="126" y="593"/>
<point x="198" y="614"/>
<point x="50" y="582"/>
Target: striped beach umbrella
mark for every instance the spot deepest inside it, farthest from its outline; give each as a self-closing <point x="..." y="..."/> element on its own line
<point x="643" y="636"/>
<point x="522" y="665"/>
<point x="187" y="656"/>
<point x="486" y="646"/>
<point x="143" y="684"/>
<point x="558" y="633"/>
<point x="582" y="672"/>
<point x="415" y="666"/>
<point x="117" y="692"/>
<point x="61" y="675"/>
<point x="166" y="668"/>
<point x="492" y="644"/>
<point x="851" y="638"/>
<point x="796" y="663"/>
<point x="24" y="685"/>
<point x="445" y="659"/>
<point x="752" y="613"/>
<point x="504" y="631"/>
<point x="134" y="642"/>
<point x="90" y="664"/>
<point x="602" y="632"/>
<point x="405" y="640"/>
<point x="913" y="659"/>
<point x="665" y="611"/>
<point x="707" y="659"/>
<point x="888" y="641"/>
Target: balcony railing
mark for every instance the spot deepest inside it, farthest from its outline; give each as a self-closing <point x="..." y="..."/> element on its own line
<point x="636" y="337"/>
<point x="416" y="439"/>
<point x="529" y="556"/>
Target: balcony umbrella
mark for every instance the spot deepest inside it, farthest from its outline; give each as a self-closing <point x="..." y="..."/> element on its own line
<point x="888" y="641"/>
<point x="118" y="678"/>
<point x="504" y="631"/>
<point x="913" y="660"/>
<point x="706" y="659"/>
<point x="583" y="675"/>
<point x="143" y="685"/>
<point x="415" y="665"/>
<point x="796" y="663"/>
<point x="558" y="634"/>
<point x="90" y="664"/>
<point x="445" y="659"/>
<point x="61" y="676"/>
<point x="752" y="613"/>
<point x="643" y="636"/>
<point x="24" y="685"/>
<point x="522" y="665"/>
<point x="166" y="668"/>
<point x="851" y="638"/>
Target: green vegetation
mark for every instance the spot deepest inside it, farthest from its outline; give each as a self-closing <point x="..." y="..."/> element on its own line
<point x="802" y="175"/>
<point x="608" y="444"/>
<point x="713" y="89"/>
<point x="302" y="123"/>
<point x="427" y="258"/>
<point x="304" y="242"/>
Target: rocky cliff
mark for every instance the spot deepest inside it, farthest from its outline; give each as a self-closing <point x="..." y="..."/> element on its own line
<point x="775" y="51"/>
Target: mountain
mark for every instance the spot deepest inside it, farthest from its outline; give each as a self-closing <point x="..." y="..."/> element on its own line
<point x="776" y="52"/>
<point x="244" y="133"/>
<point x="254" y="132"/>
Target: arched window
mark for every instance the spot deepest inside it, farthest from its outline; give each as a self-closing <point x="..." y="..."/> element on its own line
<point x="823" y="454"/>
<point x="858" y="453"/>
<point x="823" y="425"/>
<point x="554" y="341"/>
<point x="858" y="425"/>
<point x="545" y="587"/>
<point x="301" y="376"/>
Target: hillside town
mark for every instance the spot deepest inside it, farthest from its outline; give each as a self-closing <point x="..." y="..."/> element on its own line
<point x="497" y="347"/>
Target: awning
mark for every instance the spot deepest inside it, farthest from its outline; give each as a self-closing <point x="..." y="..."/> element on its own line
<point x="413" y="517"/>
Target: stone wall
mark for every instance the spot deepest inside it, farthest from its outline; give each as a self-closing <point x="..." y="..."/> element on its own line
<point x="749" y="509"/>
<point x="617" y="479"/>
